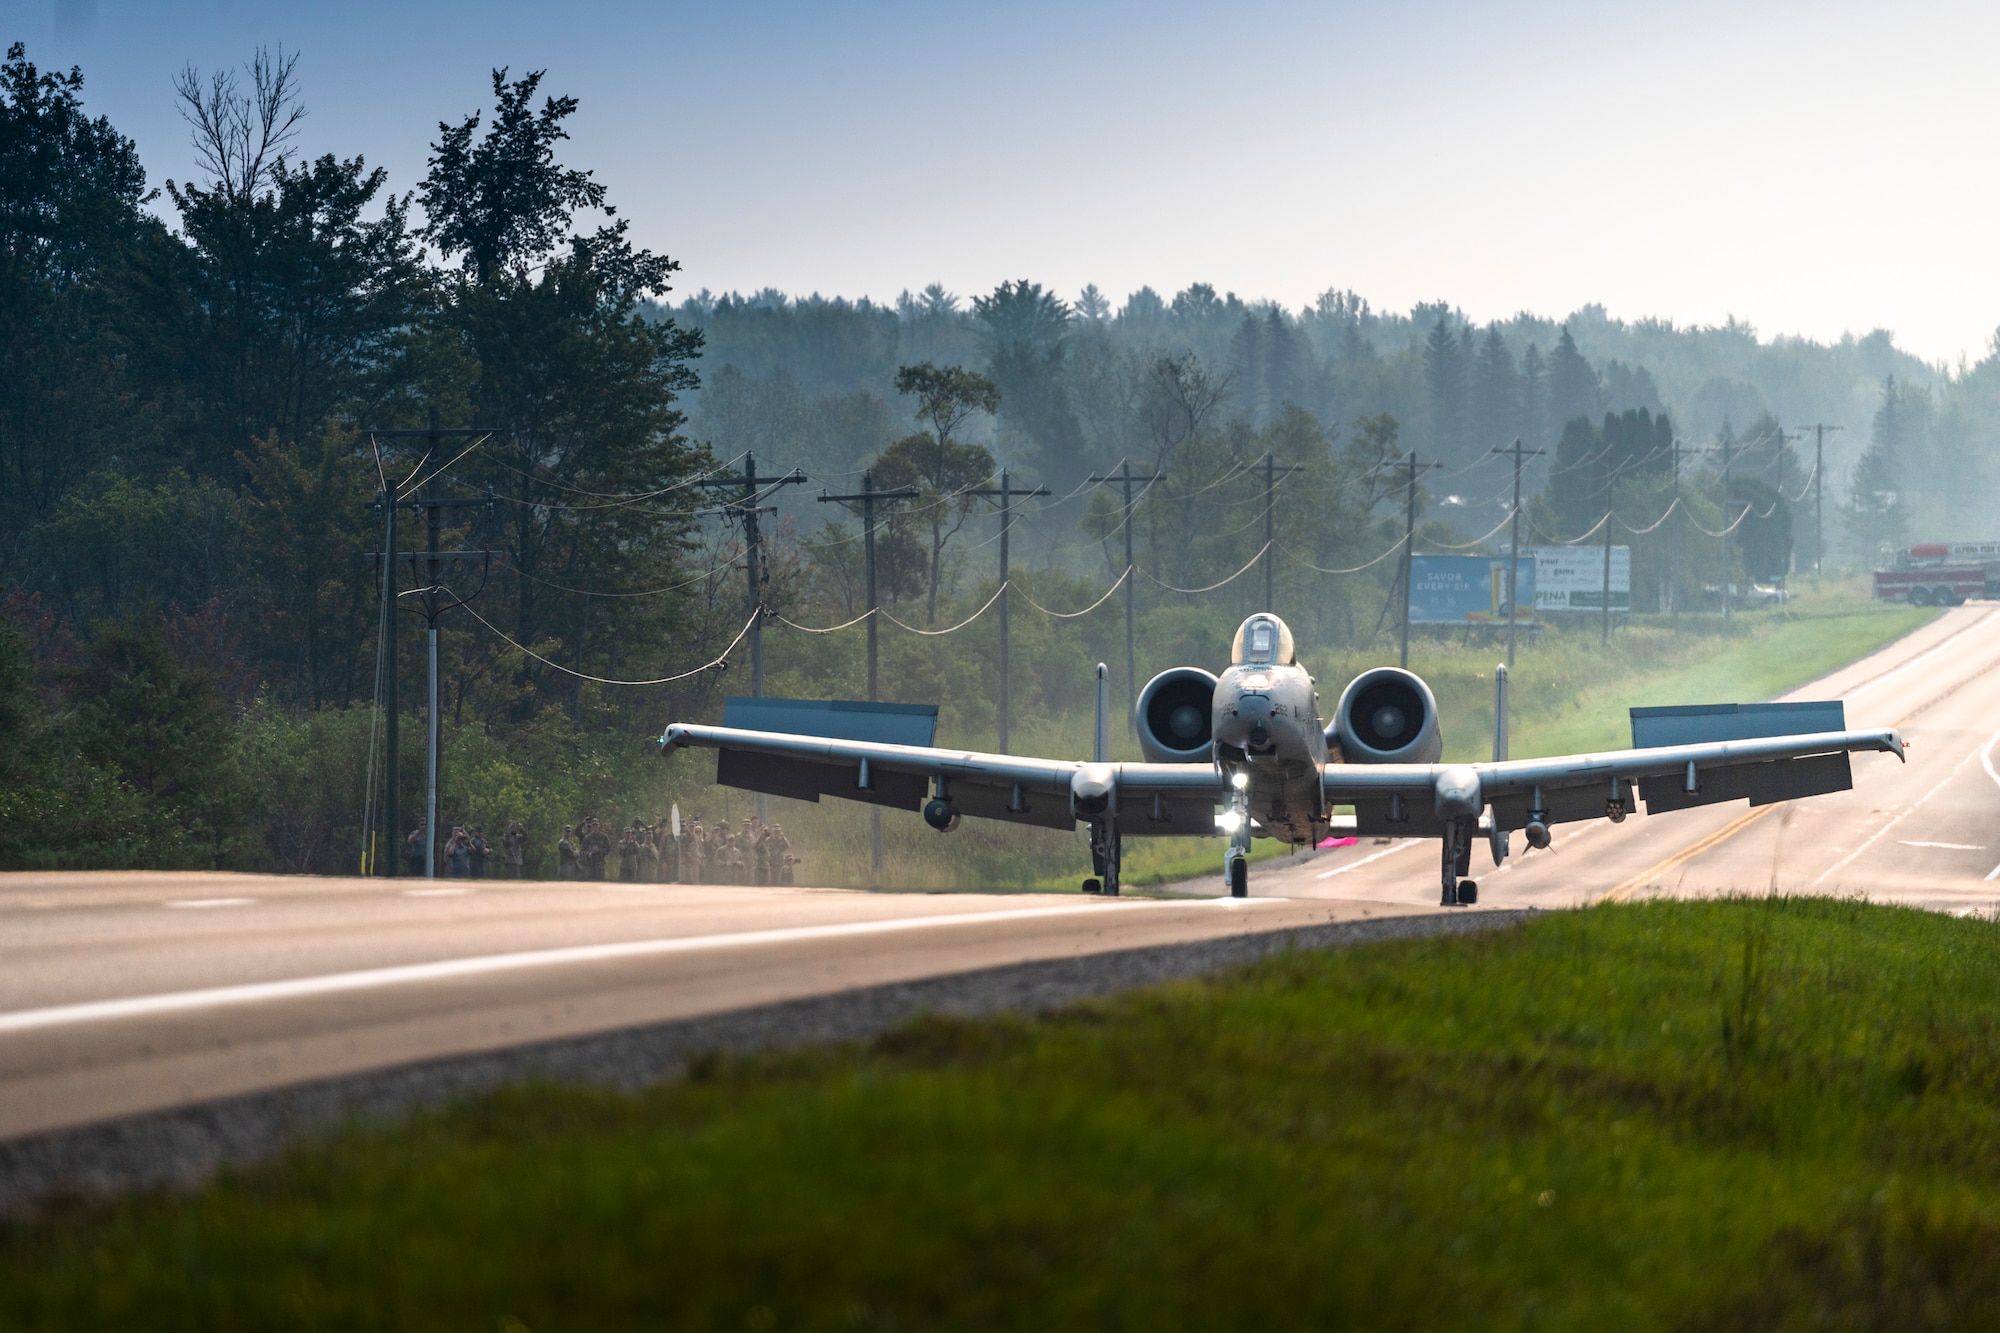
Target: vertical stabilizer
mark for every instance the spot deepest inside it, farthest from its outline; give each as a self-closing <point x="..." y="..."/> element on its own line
<point x="1499" y="713"/>
<point x="1100" y="749"/>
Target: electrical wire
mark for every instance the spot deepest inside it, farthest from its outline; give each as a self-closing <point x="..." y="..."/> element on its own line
<point x="650" y="592"/>
<point x="1073" y="615"/>
<point x="1476" y="541"/>
<point x="1213" y="586"/>
<point x="1726" y="531"/>
<point x="1640" y="532"/>
<point x="1397" y="546"/>
<point x="410" y="489"/>
<point x="718" y="662"/>
<point x="934" y="633"/>
<point x="830" y="629"/>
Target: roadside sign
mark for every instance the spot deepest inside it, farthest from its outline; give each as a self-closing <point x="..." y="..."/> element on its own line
<point x="1467" y="589"/>
<point x="1571" y="578"/>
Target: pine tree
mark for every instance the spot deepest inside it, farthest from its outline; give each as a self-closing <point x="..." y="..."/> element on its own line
<point x="1574" y="390"/>
<point x="1444" y="382"/>
<point x="1534" y="398"/>
<point x="1497" y="415"/>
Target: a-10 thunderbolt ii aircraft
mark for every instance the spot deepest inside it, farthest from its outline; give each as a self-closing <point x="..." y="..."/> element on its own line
<point x="1247" y="753"/>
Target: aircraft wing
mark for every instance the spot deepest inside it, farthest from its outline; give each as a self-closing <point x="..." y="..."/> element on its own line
<point x="1153" y="799"/>
<point x="1419" y="799"/>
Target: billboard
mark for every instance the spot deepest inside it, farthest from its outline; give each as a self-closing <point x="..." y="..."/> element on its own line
<point x="1467" y="589"/>
<point x="1571" y="578"/>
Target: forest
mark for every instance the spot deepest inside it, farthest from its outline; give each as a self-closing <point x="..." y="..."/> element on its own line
<point x="213" y="392"/>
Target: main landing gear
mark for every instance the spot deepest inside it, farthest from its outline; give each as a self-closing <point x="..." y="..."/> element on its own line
<point x="1458" y="891"/>
<point x="1106" y="851"/>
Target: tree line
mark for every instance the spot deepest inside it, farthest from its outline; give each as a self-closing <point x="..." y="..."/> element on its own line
<point x="207" y="386"/>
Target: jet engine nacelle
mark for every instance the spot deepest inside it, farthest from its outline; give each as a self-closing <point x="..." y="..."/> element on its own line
<point x="1177" y="717"/>
<point x="1387" y="716"/>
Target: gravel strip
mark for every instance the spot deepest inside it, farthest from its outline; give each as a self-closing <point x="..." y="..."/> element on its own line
<point x="182" y="1147"/>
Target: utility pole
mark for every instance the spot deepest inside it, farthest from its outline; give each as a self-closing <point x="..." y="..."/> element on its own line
<point x="1125" y="479"/>
<point x="1271" y="476"/>
<point x="1610" y="521"/>
<point x="1007" y="495"/>
<point x="1819" y="430"/>
<point x="745" y="510"/>
<point x="867" y="499"/>
<point x="388" y="504"/>
<point x="1520" y="457"/>
<point x="1728" y="528"/>
<point x="1411" y="467"/>
<point x="1675" y="452"/>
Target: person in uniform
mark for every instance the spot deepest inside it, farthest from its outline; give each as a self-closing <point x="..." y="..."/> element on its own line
<point x="688" y="867"/>
<point x="481" y="849"/>
<point x="566" y="854"/>
<point x="460" y="850"/>
<point x="514" y="848"/>
<point x="628" y="856"/>
<point x="649" y="855"/>
<point x="596" y="847"/>
<point x="782" y="859"/>
<point x="413" y="850"/>
<point x="760" y="856"/>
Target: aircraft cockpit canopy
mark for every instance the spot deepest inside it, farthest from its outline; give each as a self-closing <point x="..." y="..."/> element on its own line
<point x="1262" y="640"/>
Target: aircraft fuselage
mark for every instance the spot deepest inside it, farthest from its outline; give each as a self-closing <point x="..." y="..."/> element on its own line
<point x="1268" y="734"/>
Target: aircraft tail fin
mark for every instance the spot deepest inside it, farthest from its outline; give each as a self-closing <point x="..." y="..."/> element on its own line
<point x="1100" y="750"/>
<point x="1500" y="713"/>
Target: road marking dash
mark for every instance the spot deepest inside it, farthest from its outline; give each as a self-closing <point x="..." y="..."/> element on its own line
<point x="209" y="902"/>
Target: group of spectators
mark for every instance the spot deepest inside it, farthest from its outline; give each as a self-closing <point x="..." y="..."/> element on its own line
<point x="749" y="853"/>
<point x="464" y="855"/>
<point x="753" y="853"/>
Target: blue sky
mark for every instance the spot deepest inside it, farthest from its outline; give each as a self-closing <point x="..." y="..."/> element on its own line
<point x="1812" y="168"/>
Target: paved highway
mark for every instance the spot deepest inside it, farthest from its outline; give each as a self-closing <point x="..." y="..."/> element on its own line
<point x="1925" y="833"/>
<point x="124" y="993"/>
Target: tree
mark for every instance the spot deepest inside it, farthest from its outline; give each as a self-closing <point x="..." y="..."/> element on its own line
<point x="1026" y="330"/>
<point x="934" y="463"/>
<point x="1534" y="398"/>
<point x="1573" y="389"/>
<point x="1877" y="510"/>
<point x="72" y="193"/>
<point x="505" y="201"/>
<point x="579" y="386"/>
<point x="1496" y="416"/>
<point x="1444" y="386"/>
<point x="162" y="727"/>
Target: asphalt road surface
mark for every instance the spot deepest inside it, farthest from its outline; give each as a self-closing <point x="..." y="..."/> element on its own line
<point x="126" y="993"/>
<point x="1924" y="833"/>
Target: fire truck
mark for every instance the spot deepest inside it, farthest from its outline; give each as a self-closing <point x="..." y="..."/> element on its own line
<point x="1941" y="574"/>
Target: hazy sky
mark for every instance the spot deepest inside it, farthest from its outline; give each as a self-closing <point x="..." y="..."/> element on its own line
<point x="1812" y="168"/>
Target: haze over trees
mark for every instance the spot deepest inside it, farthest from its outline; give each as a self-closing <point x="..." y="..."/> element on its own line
<point x="190" y="371"/>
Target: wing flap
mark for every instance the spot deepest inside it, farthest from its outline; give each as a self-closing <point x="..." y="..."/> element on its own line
<point x="1761" y="784"/>
<point x="809" y="779"/>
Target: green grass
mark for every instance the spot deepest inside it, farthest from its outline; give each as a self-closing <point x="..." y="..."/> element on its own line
<point x="1776" y="1114"/>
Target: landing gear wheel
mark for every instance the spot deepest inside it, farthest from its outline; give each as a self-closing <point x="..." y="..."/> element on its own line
<point x="1468" y="893"/>
<point x="1239" y="877"/>
<point x="1092" y="886"/>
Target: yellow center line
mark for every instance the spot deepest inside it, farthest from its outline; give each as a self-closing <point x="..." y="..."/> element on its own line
<point x="1624" y="891"/>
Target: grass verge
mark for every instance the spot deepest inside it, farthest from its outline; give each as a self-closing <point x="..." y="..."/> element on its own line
<point x="1767" y="1114"/>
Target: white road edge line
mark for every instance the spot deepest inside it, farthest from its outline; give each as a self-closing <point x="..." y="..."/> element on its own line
<point x="1373" y="856"/>
<point x="140" y="1006"/>
<point x="1978" y="752"/>
<point x="1986" y="761"/>
<point x="1905" y="665"/>
<point x="209" y="902"/>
